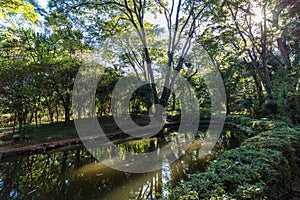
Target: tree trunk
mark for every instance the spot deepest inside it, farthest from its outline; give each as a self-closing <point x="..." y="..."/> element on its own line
<point x="36" y="118"/>
<point x="165" y="97"/>
<point x="260" y="94"/>
<point x="264" y="53"/>
<point x="31" y="117"/>
<point x="56" y="109"/>
<point x="281" y="44"/>
<point x="173" y="102"/>
<point x="15" y="123"/>
<point x="227" y="106"/>
<point x="51" y="114"/>
<point x="67" y="113"/>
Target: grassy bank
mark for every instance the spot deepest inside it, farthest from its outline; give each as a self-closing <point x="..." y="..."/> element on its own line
<point x="63" y="130"/>
<point x="261" y="168"/>
<point x="45" y="132"/>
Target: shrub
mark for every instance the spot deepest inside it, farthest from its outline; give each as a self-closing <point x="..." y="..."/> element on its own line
<point x="241" y="173"/>
<point x="270" y="107"/>
<point x="252" y="127"/>
<point x="260" y="169"/>
<point x="6" y="121"/>
<point x="285" y="140"/>
<point x="283" y="146"/>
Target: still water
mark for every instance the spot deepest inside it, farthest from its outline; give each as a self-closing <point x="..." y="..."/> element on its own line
<point x="73" y="173"/>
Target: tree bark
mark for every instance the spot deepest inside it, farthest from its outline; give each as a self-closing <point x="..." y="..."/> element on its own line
<point x="14" y="126"/>
<point x="264" y="53"/>
<point x="36" y="118"/>
<point x="281" y="44"/>
<point x="67" y="113"/>
<point x="56" y="109"/>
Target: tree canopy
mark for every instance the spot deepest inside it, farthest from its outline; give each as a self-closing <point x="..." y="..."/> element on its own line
<point x="254" y="44"/>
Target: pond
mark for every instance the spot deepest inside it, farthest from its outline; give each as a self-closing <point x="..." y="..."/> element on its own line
<point x="73" y="173"/>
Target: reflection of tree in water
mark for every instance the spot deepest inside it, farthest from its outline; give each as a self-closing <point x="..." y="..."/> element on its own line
<point x="50" y="176"/>
<point x="57" y="175"/>
<point x="75" y="174"/>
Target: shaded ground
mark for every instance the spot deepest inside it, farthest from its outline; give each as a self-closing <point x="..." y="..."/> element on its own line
<point x="296" y="186"/>
<point x="5" y="132"/>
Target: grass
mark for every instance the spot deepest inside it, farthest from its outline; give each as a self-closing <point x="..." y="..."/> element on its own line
<point x="46" y="132"/>
<point x="62" y="130"/>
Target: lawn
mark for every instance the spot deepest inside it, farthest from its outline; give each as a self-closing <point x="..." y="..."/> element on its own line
<point x="63" y="130"/>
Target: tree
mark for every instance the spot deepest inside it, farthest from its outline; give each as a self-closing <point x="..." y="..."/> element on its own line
<point x="249" y="33"/>
<point x="104" y="90"/>
<point x="182" y="18"/>
<point x="14" y="7"/>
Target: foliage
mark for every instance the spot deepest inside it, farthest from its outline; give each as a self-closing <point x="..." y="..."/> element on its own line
<point x="281" y="145"/>
<point x="257" y="56"/>
<point x="253" y="126"/>
<point x="260" y="169"/>
<point x="5" y="121"/>
<point x="251" y="42"/>
<point x="281" y="136"/>
<point x="13" y="7"/>
<point x="241" y="173"/>
<point x="104" y="90"/>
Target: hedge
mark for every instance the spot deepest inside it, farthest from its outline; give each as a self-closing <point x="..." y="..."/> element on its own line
<point x="261" y="168"/>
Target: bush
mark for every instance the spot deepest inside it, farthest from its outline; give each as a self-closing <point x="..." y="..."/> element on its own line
<point x="260" y="169"/>
<point x="252" y="127"/>
<point x="265" y="142"/>
<point x="6" y="121"/>
<point x="241" y="173"/>
<point x="285" y="140"/>
<point x="270" y="107"/>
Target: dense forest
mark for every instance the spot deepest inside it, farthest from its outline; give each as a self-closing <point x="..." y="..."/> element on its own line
<point x="253" y="44"/>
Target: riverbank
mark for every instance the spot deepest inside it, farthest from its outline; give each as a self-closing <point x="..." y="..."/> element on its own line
<point x="54" y="136"/>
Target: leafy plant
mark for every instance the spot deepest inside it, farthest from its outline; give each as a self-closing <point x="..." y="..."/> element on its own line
<point x="241" y="173"/>
<point x="260" y="169"/>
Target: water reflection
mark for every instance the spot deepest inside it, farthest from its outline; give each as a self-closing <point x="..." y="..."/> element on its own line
<point x="74" y="174"/>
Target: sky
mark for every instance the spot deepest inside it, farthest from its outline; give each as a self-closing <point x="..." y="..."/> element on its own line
<point x="160" y="19"/>
<point x="43" y="3"/>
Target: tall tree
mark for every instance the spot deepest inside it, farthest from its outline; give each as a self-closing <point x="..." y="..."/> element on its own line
<point x="255" y="34"/>
<point x="182" y="19"/>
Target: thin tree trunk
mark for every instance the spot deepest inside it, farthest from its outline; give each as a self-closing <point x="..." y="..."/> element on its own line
<point x="173" y="102"/>
<point x="67" y="113"/>
<point x="36" y="118"/>
<point x="56" y="109"/>
<point x="264" y="52"/>
<point x="51" y="114"/>
<point x="14" y="126"/>
<point x="281" y="45"/>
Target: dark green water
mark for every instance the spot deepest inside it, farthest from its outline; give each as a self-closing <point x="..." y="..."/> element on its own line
<point x="73" y="173"/>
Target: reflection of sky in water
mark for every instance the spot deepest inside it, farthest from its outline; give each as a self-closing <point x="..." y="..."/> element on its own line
<point x="166" y="177"/>
<point x="13" y="194"/>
